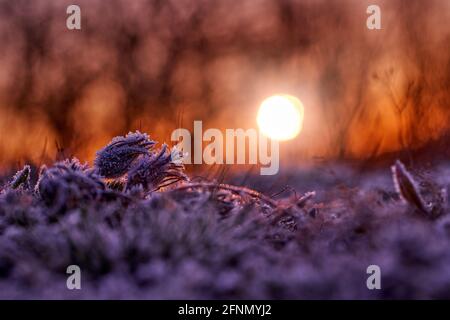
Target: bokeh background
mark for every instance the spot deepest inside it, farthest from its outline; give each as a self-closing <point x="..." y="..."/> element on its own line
<point x="157" y="65"/>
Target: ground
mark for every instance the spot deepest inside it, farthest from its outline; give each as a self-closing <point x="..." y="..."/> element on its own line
<point x="210" y="243"/>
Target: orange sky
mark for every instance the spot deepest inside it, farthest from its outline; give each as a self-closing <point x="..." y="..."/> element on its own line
<point x="149" y="64"/>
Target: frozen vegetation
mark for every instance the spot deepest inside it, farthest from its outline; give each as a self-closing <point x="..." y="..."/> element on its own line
<point x="138" y="227"/>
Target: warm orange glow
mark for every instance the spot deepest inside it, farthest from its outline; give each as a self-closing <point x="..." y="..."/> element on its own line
<point x="280" y="117"/>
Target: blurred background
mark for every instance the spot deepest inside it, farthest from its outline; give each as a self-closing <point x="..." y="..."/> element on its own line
<point x="157" y="65"/>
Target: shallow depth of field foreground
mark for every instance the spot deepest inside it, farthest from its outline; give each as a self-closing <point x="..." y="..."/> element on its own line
<point x="352" y="97"/>
<point x="138" y="227"/>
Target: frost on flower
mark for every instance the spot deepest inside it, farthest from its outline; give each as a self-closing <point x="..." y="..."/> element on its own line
<point x="406" y="187"/>
<point x="177" y="156"/>
<point x="21" y="178"/>
<point x="67" y="183"/>
<point x="156" y="171"/>
<point x="114" y="160"/>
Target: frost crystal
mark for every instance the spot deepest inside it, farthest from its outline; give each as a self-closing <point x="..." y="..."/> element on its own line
<point x="407" y="187"/>
<point x="67" y="183"/>
<point x="156" y="171"/>
<point x="21" y="178"/>
<point x="114" y="160"/>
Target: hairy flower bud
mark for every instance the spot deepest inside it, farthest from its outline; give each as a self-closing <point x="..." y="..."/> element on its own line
<point x="407" y="187"/>
<point x="21" y="178"/>
<point x="156" y="171"/>
<point x="68" y="182"/>
<point x="114" y="160"/>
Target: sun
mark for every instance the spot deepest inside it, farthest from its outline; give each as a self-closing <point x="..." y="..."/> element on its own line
<point x="280" y="117"/>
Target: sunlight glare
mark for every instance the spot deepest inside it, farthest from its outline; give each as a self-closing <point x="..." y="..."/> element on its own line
<point x="280" y="117"/>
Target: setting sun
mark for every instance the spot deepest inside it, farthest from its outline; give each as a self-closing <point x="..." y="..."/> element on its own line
<point x="280" y="117"/>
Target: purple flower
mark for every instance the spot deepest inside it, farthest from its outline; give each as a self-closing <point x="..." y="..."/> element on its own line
<point x="114" y="160"/>
<point x="67" y="183"/>
<point x="21" y="178"/>
<point x="156" y="171"/>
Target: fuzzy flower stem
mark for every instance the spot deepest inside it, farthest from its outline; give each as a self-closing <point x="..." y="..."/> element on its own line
<point x="235" y="189"/>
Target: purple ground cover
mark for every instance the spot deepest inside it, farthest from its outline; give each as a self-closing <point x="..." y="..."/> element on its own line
<point x="138" y="228"/>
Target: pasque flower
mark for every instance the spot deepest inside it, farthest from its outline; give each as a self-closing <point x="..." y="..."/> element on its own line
<point x="114" y="160"/>
<point x="21" y="178"/>
<point x="157" y="170"/>
<point x="67" y="183"/>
